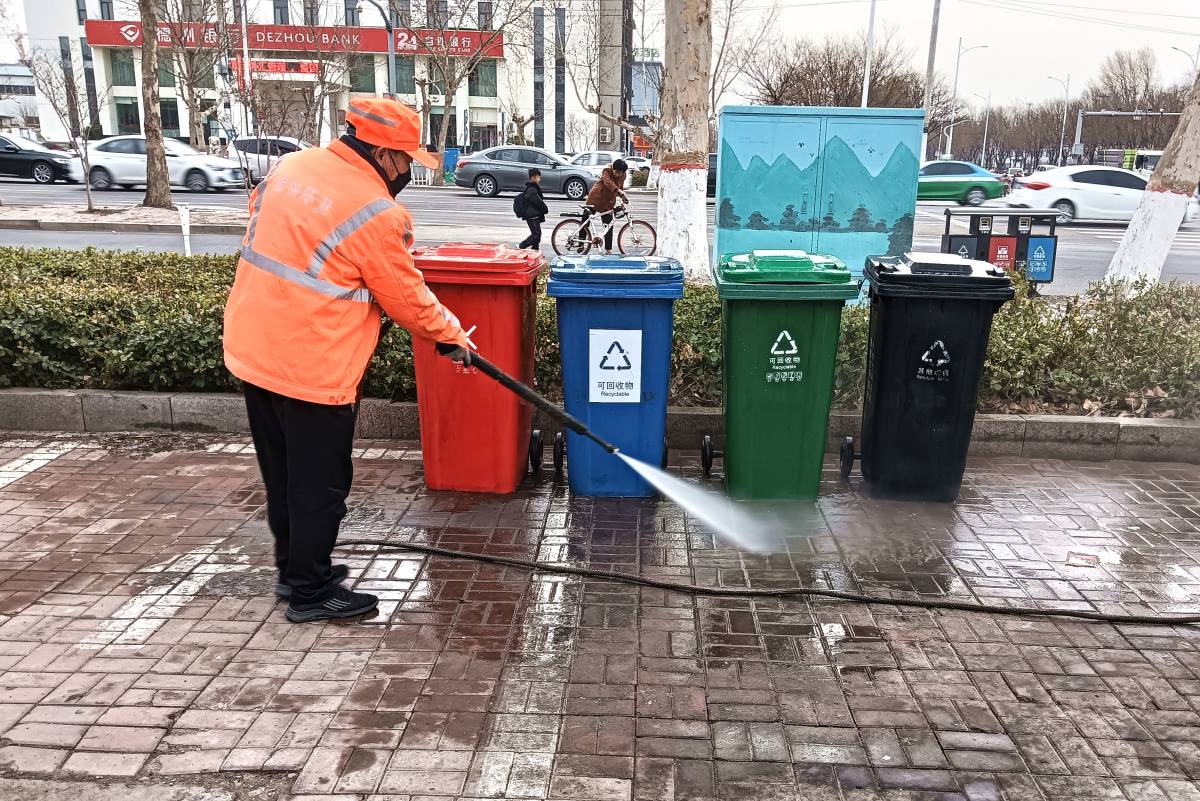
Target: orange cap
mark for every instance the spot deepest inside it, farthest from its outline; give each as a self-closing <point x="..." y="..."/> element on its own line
<point x="391" y="124"/>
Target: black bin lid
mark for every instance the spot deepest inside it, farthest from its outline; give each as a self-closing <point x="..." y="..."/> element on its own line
<point x="917" y="274"/>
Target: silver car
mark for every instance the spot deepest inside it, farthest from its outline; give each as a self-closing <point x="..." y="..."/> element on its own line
<point x="506" y="169"/>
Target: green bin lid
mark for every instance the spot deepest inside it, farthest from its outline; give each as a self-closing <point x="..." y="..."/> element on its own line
<point x="783" y="267"/>
<point x="784" y="275"/>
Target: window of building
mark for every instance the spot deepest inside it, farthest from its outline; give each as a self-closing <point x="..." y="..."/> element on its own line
<point x="281" y="12"/>
<point x="81" y="10"/>
<point x="438" y="12"/>
<point x="128" y="120"/>
<point x="485" y="15"/>
<point x="406" y="75"/>
<point x="166" y="72"/>
<point x="106" y="9"/>
<point x="120" y="67"/>
<point x="362" y="73"/>
<point x="482" y="81"/>
<point x="539" y="76"/>
<point x="204" y="77"/>
<point x="352" y="12"/>
<point x="169" y="109"/>
<point x="312" y="12"/>
<point x="401" y="13"/>
<point x="15" y="89"/>
<point x="437" y="75"/>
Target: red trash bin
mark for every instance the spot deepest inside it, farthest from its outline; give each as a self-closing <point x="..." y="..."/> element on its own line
<point x="475" y="434"/>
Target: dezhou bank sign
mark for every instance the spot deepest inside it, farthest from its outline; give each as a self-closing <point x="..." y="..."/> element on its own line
<point x="302" y="38"/>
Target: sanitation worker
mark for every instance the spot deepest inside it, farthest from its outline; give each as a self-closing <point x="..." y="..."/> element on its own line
<point x="326" y="249"/>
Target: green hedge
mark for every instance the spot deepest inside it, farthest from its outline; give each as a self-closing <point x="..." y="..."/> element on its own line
<point x="125" y="320"/>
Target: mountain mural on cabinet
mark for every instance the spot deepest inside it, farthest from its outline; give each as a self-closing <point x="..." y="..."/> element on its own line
<point x="834" y="186"/>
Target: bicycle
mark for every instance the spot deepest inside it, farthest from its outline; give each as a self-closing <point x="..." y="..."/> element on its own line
<point x="571" y="238"/>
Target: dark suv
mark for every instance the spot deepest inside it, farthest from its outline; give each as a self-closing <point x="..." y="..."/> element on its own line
<point x="506" y="169"/>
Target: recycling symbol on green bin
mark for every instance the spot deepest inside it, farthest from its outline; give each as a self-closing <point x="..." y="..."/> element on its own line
<point x="784" y="345"/>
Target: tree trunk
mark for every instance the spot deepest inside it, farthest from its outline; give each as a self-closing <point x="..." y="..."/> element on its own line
<point x="158" y="182"/>
<point x="682" y="217"/>
<point x="1151" y="232"/>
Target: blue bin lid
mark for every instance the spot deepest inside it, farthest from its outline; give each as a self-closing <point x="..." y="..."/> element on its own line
<point x="627" y="276"/>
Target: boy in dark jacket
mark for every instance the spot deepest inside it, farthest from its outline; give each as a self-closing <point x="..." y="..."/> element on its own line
<point x="535" y="210"/>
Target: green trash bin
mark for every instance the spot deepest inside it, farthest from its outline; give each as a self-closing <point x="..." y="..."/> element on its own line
<point x="782" y="312"/>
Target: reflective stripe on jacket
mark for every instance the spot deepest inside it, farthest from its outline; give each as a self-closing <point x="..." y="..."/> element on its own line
<point x="325" y="248"/>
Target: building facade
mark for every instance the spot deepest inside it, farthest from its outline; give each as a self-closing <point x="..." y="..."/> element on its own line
<point x="305" y="60"/>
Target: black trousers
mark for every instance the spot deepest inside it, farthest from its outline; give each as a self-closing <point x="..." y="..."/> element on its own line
<point x="534" y="240"/>
<point x="304" y="454"/>
<point x="605" y="218"/>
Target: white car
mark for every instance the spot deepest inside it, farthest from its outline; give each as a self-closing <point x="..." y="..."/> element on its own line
<point x="1084" y="192"/>
<point x="260" y="154"/>
<point x="594" y="161"/>
<point x="121" y="161"/>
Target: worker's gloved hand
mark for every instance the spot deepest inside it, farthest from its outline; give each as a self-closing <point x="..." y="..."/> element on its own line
<point x="454" y="353"/>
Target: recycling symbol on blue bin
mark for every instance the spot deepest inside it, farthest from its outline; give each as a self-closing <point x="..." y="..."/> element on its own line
<point x="615" y="350"/>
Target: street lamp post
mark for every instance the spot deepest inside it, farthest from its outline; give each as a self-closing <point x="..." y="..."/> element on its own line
<point x="1194" y="59"/>
<point x="954" y="96"/>
<point x="391" y="35"/>
<point x="987" y="119"/>
<point x="1062" y="134"/>
<point x="870" y="52"/>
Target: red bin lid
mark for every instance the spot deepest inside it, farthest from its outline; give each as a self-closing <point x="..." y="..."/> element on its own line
<point x="472" y="263"/>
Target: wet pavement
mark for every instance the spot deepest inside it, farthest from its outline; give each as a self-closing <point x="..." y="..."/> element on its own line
<point x="140" y="642"/>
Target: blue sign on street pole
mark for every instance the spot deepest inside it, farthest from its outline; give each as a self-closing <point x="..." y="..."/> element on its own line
<point x="1039" y="258"/>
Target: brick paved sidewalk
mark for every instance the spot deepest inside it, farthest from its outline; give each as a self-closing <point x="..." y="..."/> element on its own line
<point x="139" y="642"/>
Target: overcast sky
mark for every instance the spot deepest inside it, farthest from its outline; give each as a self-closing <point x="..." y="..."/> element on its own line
<point x="1027" y="40"/>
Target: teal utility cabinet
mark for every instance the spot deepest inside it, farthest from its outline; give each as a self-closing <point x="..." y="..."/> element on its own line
<point x="840" y="182"/>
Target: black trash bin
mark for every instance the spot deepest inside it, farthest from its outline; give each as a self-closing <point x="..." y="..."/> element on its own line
<point x="931" y="314"/>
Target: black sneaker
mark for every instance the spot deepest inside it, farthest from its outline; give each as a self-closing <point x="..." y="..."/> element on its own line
<point x="343" y="603"/>
<point x="340" y="572"/>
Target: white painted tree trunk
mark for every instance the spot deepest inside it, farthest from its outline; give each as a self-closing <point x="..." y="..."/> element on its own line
<point x="682" y="218"/>
<point x="683" y="222"/>
<point x="1147" y="241"/>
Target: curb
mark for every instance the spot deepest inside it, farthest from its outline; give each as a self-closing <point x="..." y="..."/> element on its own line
<point x="126" y="227"/>
<point x="1029" y="436"/>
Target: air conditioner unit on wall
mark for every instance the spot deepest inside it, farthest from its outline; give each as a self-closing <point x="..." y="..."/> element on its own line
<point x="605" y="135"/>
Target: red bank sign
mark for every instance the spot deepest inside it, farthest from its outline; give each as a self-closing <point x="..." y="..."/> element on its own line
<point x="311" y="40"/>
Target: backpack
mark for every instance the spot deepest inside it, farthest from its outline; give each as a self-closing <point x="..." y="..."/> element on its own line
<point x="520" y="206"/>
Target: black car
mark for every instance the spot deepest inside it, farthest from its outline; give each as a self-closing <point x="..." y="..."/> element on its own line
<point x="25" y="158"/>
<point x="712" y="175"/>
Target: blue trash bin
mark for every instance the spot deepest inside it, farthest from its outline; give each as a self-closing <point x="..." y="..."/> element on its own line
<point x="615" y="323"/>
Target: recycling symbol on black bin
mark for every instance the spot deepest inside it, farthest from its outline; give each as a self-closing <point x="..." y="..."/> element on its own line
<point x="615" y="350"/>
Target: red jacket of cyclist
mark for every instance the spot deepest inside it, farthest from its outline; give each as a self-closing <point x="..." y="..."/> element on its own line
<point x="603" y="197"/>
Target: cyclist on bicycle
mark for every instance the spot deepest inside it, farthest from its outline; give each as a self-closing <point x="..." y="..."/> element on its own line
<point x="603" y="198"/>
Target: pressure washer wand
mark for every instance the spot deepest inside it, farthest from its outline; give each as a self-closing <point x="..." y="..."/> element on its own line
<point x="538" y="401"/>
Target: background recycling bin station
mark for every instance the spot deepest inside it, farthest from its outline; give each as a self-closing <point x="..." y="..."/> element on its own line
<point x="931" y="314"/>
<point x="615" y="326"/>
<point x="781" y="313"/>
<point x="476" y="435"/>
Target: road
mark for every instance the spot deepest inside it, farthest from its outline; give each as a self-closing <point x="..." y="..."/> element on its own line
<point x="456" y="215"/>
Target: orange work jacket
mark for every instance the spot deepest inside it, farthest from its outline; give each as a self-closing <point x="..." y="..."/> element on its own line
<point x="325" y="249"/>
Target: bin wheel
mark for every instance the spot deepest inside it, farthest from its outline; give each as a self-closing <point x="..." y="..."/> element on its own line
<point x="707" y="453"/>
<point x="846" y="452"/>
<point x="560" y="453"/>
<point x="536" y="450"/>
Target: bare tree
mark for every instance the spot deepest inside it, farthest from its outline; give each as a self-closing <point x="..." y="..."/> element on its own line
<point x="830" y="73"/>
<point x="682" y="218"/>
<point x="195" y="38"/>
<point x="737" y="43"/>
<point x="158" y="180"/>
<point x="447" y="64"/>
<point x="580" y="133"/>
<point x="61" y="85"/>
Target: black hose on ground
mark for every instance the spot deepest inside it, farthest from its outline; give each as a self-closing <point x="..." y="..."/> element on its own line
<point x="788" y="592"/>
